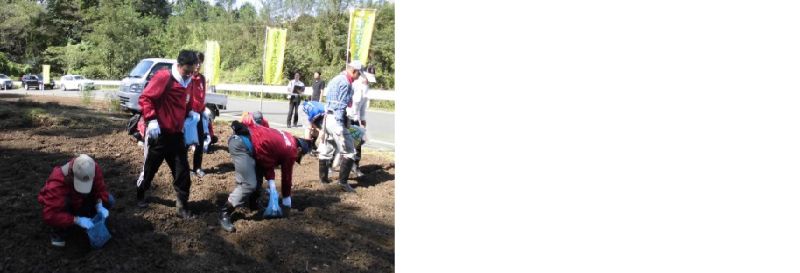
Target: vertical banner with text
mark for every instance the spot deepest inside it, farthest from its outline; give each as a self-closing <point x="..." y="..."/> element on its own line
<point x="45" y="73"/>
<point x="275" y="45"/>
<point x="362" y="23"/>
<point x="211" y="65"/>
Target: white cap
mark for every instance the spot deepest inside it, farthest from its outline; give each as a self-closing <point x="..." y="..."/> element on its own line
<point x="83" y="173"/>
<point x="356" y="64"/>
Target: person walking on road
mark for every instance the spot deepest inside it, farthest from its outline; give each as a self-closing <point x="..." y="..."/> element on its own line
<point x="165" y="104"/>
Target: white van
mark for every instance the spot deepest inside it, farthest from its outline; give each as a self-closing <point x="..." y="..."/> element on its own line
<point x="133" y="85"/>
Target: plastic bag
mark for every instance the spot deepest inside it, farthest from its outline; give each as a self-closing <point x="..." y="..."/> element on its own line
<point x="98" y="235"/>
<point x="190" y="132"/>
<point x="273" y="210"/>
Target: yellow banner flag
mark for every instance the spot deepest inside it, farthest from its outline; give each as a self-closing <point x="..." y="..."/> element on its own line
<point x="362" y="22"/>
<point x="211" y="64"/>
<point x="46" y="73"/>
<point x="274" y="47"/>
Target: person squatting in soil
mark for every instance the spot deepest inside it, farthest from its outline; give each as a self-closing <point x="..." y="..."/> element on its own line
<point x="73" y="194"/>
<point x="315" y="111"/>
<point x="198" y="104"/>
<point x="165" y="106"/>
<point x="340" y="96"/>
<point x="255" y="145"/>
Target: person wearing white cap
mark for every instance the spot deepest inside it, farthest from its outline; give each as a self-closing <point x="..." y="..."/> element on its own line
<point x="340" y="96"/>
<point x="73" y="194"/>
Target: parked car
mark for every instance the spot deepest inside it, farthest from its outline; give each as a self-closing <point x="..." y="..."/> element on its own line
<point x="75" y="82"/>
<point x="5" y="82"/>
<point x="133" y="85"/>
<point x="47" y="85"/>
<point x="30" y="81"/>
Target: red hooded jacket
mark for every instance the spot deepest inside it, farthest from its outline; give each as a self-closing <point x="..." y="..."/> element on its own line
<point x="273" y="147"/>
<point x="198" y="91"/>
<point x="58" y="192"/>
<point x="165" y="100"/>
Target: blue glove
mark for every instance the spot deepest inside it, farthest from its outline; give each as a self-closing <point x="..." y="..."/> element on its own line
<point x="273" y="209"/>
<point x="85" y="222"/>
<point x="101" y="210"/>
<point x="152" y="129"/>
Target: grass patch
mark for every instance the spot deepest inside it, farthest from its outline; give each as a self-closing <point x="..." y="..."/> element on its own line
<point x="87" y="95"/>
<point x="385" y="105"/>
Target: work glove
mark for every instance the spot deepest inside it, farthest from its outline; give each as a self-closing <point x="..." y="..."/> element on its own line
<point x="273" y="209"/>
<point x="194" y="116"/>
<point x="101" y="210"/>
<point x="152" y="129"/>
<point x="84" y="222"/>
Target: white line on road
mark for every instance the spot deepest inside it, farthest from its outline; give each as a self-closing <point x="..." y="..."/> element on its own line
<point x="284" y="125"/>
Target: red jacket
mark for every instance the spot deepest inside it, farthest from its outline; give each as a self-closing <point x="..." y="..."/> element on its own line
<point x="167" y="104"/>
<point x="58" y="191"/>
<point x="198" y="91"/>
<point x="272" y="148"/>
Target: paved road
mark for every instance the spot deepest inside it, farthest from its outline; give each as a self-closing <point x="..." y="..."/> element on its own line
<point x="380" y="124"/>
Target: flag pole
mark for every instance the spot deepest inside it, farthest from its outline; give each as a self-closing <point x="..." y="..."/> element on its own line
<point x="264" y="70"/>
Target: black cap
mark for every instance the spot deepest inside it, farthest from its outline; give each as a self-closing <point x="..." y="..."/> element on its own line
<point x="305" y="147"/>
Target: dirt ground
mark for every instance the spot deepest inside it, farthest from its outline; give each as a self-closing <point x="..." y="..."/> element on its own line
<point x="327" y="231"/>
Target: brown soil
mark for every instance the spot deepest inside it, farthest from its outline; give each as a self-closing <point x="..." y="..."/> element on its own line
<point x="327" y="231"/>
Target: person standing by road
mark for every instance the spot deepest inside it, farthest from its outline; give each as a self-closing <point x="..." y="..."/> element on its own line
<point x="294" y="99"/>
<point x="340" y="95"/>
<point x="165" y="104"/>
<point x="318" y="85"/>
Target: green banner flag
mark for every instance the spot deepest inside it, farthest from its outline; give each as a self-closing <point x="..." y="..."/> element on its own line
<point x="211" y="65"/>
<point x="46" y="73"/>
<point x="274" y="47"/>
<point x="362" y="22"/>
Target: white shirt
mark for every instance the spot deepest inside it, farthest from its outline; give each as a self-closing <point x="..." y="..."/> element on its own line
<point x="292" y="84"/>
<point x="358" y="111"/>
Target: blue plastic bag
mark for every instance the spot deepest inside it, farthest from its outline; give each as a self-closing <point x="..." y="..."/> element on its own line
<point x="205" y="123"/>
<point x="98" y="235"/>
<point x="190" y="131"/>
<point x="273" y="210"/>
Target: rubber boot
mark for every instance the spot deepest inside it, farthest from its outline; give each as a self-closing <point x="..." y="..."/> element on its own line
<point x="344" y="171"/>
<point x="225" y="213"/>
<point x="323" y="171"/>
<point x="141" y="201"/>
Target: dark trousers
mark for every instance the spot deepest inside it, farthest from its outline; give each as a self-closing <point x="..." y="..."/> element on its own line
<point x="198" y="150"/>
<point x="168" y="147"/>
<point x="293" y="105"/>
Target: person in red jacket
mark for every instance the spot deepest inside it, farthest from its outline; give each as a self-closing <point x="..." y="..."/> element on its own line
<point x="271" y="148"/>
<point x="73" y="194"/>
<point x="165" y="105"/>
<point x="198" y="105"/>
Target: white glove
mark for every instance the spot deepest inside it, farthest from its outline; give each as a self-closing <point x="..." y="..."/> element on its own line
<point x="194" y="115"/>
<point x="152" y="129"/>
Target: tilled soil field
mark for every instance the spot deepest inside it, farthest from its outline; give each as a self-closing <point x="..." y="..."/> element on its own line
<point x="327" y="231"/>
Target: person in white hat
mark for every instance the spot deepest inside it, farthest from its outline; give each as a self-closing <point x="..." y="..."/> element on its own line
<point x="73" y="194"/>
<point x="340" y="96"/>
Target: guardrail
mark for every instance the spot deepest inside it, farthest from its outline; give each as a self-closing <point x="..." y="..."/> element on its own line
<point x="275" y="89"/>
